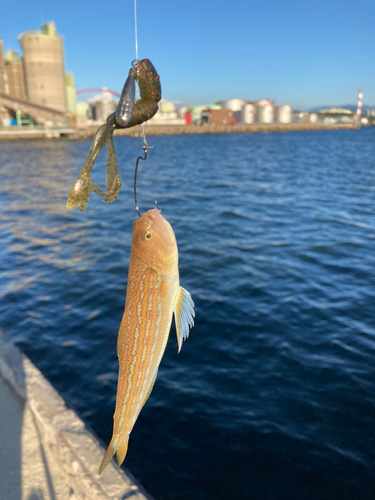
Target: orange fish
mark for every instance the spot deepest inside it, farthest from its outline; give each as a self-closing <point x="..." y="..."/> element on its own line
<point x="153" y="296"/>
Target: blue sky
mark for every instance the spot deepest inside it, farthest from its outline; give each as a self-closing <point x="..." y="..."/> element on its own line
<point x="307" y="53"/>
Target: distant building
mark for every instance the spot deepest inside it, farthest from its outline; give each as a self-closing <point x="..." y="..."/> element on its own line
<point x="335" y="111"/>
<point x="329" y="121"/>
<point x="196" y="112"/>
<point x="14" y="69"/>
<point x="43" y="55"/>
<point x="284" y="113"/>
<point x="71" y="99"/>
<point x="217" y="117"/>
<point x="309" y="117"/>
<point x="82" y="114"/>
<point x="167" y="115"/>
<point x="102" y="105"/>
<point x="346" y="119"/>
<point x="232" y="104"/>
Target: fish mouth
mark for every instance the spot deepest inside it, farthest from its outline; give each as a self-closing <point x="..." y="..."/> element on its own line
<point x="161" y="226"/>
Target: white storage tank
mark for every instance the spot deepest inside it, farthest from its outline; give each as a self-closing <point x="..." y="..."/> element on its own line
<point x="232" y="104"/>
<point x="309" y="118"/>
<point x="247" y="113"/>
<point x="102" y="105"/>
<point x="265" y="111"/>
<point x="284" y="113"/>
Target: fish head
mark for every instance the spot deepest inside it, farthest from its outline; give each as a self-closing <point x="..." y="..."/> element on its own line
<point x="154" y="241"/>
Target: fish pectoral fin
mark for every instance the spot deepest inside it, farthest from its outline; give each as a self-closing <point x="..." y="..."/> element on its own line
<point x="183" y="316"/>
<point x="121" y="452"/>
<point x="107" y="457"/>
<point x="150" y="389"/>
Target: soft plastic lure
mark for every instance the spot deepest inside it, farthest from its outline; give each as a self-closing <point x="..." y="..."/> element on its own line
<point x="128" y="114"/>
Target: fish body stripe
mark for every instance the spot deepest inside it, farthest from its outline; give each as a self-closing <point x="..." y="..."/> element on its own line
<point x="145" y="329"/>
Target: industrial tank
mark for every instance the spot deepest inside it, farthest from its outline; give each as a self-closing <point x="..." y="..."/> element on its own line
<point x="284" y="113"/>
<point x="247" y="113"/>
<point x="44" y="67"/>
<point x="265" y="111"/>
<point x="15" y="75"/>
<point x="102" y="105"/>
<point x="232" y="104"/>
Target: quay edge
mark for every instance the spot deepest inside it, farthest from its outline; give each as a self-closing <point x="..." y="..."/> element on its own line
<point x="46" y="450"/>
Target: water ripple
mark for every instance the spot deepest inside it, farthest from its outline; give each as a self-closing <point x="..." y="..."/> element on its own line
<point x="273" y="394"/>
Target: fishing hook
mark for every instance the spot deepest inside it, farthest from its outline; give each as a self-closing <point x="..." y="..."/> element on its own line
<point x="145" y="147"/>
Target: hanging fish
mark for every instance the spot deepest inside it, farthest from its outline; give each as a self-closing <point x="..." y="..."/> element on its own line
<point x="153" y="296"/>
<point x="128" y="114"/>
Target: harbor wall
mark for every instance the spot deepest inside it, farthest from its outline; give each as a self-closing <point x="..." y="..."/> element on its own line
<point x="47" y="451"/>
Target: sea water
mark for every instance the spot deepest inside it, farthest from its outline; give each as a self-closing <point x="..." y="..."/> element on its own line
<point x="273" y="394"/>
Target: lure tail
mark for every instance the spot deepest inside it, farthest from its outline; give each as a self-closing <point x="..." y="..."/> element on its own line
<point x="111" y="450"/>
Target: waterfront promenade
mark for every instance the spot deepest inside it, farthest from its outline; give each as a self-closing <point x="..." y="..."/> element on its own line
<point x="46" y="451"/>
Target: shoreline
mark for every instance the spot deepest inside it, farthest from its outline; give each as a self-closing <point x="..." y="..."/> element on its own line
<point x="231" y="129"/>
<point x="83" y="134"/>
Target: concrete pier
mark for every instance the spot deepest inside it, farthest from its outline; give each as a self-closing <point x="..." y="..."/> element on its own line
<point x="46" y="452"/>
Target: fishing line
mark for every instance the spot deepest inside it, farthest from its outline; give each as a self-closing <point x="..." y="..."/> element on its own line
<point x="135" y="29"/>
<point x="136" y="56"/>
<point x="145" y="145"/>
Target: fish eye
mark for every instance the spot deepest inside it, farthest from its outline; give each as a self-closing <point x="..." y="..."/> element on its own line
<point x="146" y="235"/>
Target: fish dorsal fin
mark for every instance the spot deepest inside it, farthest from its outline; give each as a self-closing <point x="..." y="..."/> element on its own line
<point x="183" y="316"/>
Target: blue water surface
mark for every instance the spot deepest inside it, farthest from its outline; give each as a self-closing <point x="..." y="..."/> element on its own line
<point x="273" y="394"/>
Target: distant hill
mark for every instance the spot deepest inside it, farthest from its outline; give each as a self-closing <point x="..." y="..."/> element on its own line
<point x="352" y="107"/>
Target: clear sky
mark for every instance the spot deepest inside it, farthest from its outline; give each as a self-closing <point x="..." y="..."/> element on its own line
<point x="304" y="52"/>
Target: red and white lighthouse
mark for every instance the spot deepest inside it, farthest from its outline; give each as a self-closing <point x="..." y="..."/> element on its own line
<point x="359" y="103"/>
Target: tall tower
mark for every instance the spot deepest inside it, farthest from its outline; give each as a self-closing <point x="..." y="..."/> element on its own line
<point x="357" y="116"/>
<point x="15" y="75"/>
<point x="44" y="67"/>
<point x="359" y="103"/>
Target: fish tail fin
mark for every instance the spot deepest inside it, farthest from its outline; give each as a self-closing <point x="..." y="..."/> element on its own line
<point x="121" y="452"/>
<point x="111" y="450"/>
